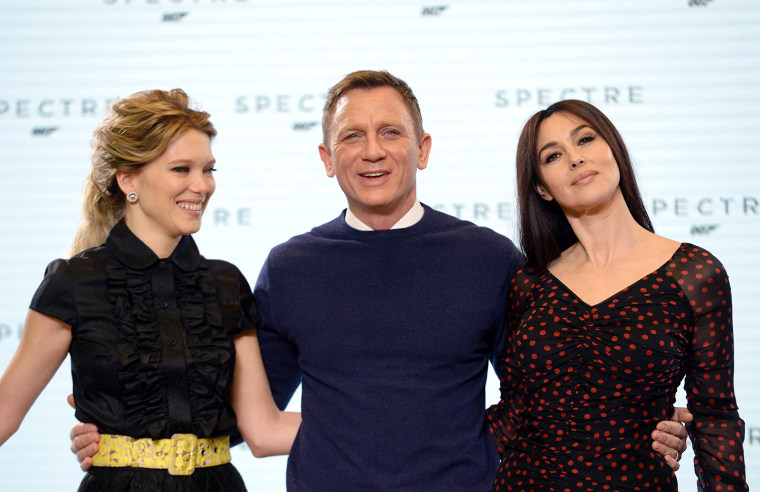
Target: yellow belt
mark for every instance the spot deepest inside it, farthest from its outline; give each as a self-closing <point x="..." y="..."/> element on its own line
<point x="180" y="455"/>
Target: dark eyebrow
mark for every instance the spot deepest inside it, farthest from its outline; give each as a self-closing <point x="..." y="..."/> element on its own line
<point x="572" y="134"/>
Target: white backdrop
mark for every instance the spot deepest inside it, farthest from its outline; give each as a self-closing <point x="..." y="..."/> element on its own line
<point x="680" y="79"/>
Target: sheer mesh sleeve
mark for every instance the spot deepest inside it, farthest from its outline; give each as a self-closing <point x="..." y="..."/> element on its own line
<point x="502" y="418"/>
<point x="717" y="432"/>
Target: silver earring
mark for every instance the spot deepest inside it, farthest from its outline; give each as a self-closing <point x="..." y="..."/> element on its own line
<point x="132" y="197"/>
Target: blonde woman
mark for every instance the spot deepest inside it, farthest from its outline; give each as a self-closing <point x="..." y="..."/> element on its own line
<point x="162" y="341"/>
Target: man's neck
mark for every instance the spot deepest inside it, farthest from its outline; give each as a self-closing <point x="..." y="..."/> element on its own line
<point x="412" y="216"/>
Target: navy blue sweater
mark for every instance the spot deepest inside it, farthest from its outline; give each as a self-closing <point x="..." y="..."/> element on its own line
<point x="390" y="333"/>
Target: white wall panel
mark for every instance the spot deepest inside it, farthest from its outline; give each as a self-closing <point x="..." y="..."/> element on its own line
<point x="680" y="79"/>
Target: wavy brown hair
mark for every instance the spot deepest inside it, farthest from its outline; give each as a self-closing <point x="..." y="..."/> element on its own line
<point x="137" y="130"/>
<point x="370" y="79"/>
<point x="544" y="229"/>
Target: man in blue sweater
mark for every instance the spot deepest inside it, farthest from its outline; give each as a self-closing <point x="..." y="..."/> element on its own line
<point x="387" y="315"/>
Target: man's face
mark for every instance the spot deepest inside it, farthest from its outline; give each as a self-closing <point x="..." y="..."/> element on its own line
<point x="374" y="152"/>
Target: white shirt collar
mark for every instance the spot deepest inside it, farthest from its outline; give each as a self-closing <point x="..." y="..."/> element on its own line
<point x="409" y="219"/>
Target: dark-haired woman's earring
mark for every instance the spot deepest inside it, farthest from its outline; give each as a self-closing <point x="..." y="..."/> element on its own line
<point x="132" y="197"/>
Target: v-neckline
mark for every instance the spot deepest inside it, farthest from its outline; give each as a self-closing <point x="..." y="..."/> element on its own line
<point x="616" y="293"/>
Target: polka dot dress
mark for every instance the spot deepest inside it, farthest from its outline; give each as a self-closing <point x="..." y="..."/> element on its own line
<point x="584" y="386"/>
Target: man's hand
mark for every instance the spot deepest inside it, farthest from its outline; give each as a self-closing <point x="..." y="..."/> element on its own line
<point x="669" y="438"/>
<point x="84" y="441"/>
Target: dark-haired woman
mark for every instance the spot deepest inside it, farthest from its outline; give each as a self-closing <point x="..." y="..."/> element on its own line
<point x="607" y="319"/>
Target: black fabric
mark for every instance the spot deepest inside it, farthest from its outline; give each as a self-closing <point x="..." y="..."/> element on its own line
<point x="583" y="386"/>
<point x="152" y="352"/>
<point x="221" y="478"/>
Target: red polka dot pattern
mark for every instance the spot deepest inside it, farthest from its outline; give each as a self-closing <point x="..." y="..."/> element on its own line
<point x="584" y="386"/>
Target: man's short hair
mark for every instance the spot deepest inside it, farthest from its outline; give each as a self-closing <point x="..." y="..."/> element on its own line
<point x="370" y="79"/>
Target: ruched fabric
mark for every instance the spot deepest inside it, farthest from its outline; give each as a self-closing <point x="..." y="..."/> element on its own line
<point x="152" y="352"/>
<point x="583" y="386"/>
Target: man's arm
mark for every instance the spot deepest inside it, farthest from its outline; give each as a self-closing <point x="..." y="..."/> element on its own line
<point x="515" y="261"/>
<point x="280" y="356"/>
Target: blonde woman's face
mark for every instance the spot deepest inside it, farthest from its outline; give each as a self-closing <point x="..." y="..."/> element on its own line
<point x="173" y="190"/>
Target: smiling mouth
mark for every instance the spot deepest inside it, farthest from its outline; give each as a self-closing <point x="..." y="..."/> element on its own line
<point x="191" y="206"/>
<point x="373" y="175"/>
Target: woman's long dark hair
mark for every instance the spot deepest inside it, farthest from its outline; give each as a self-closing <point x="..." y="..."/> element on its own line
<point x="544" y="229"/>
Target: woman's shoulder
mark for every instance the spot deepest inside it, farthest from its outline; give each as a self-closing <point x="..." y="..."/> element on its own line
<point x="695" y="257"/>
<point x="83" y="263"/>
<point x="701" y="276"/>
<point x="223" y="267"/>
<point x="526" y="278"/>
<point x="227" y="275"/>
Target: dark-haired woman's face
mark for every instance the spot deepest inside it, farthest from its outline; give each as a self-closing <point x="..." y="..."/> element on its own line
<point x="576" y="164"/>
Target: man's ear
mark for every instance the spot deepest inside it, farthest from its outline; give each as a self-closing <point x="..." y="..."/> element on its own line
<point x="423" y="150"/>
<point x="326" y="156"/>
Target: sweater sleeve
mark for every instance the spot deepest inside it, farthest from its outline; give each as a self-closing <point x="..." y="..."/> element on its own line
<point x="279" y="354"/>
<point x="514" y="261"/>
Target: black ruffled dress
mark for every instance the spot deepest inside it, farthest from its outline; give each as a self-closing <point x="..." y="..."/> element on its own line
<point x="152" y="350"/>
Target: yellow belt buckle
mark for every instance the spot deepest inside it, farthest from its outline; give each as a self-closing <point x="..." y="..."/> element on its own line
<point x="184" y="454"/>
